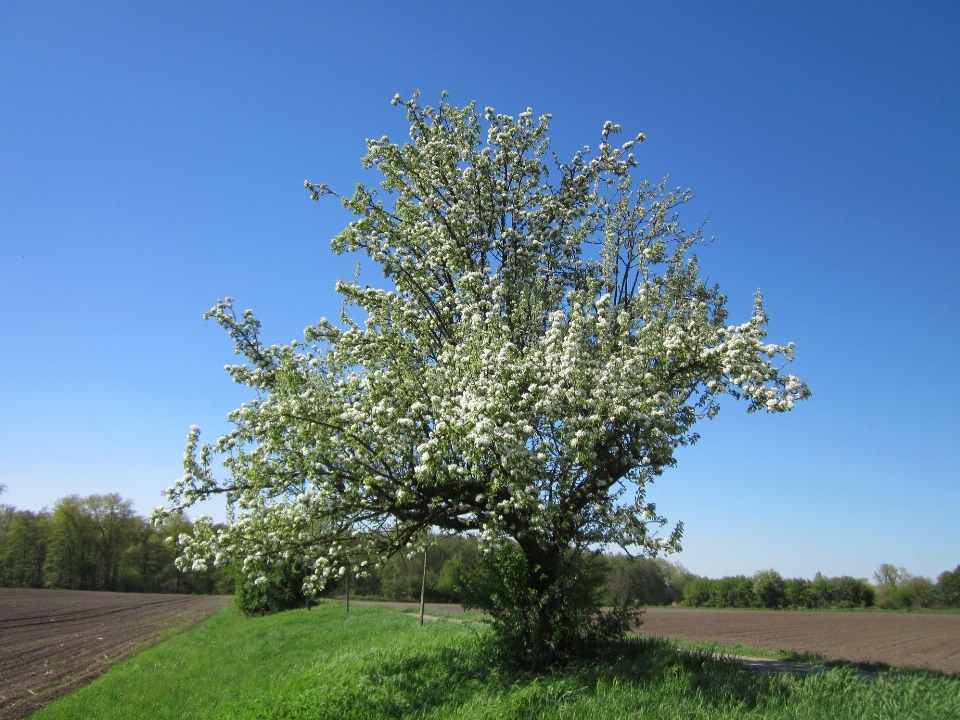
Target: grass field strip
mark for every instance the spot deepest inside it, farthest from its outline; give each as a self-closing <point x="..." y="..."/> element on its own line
<point x="375" y="664"/>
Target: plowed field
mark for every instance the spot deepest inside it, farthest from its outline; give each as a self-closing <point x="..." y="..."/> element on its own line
<point x="52" y="641"/>
<point x="929" y="641"/>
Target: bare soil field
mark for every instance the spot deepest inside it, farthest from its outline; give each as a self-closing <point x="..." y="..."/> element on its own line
<point x="927" y="641"/>
<point x="52" y="641"/>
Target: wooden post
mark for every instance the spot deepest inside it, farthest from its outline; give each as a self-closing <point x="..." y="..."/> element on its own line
<point x="423" y="585"/>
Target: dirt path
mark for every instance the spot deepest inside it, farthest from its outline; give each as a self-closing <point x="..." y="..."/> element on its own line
<point x="52" y="641"/>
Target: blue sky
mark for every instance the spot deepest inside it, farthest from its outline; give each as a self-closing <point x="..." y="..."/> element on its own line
<point x="152" y="157"/>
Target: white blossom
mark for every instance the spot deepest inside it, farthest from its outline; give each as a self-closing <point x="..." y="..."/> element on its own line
<point x="542" y="348"/>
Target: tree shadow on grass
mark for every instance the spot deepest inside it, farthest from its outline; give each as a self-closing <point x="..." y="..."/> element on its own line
<point x="720" y="682"/>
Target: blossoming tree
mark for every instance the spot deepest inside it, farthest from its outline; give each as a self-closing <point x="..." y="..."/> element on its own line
<point x="543" y="346"/>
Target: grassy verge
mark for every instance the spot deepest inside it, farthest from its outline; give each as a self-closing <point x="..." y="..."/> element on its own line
<point x="379" y="663"/>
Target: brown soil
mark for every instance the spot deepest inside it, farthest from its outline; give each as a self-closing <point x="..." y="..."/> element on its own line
<point x="928" y="641"/>
<point x="52" y="641"/>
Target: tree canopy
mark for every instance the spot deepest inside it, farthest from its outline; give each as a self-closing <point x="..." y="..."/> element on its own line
<point x="542" y="346"/>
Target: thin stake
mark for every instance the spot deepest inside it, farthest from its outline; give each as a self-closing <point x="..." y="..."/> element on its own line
<point x="423" y="585"/>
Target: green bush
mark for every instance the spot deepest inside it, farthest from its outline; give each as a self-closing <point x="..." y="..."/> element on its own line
<point x="849" y="592"/>
<point x="281" y="589"/>
<point x="733" y="592"/>
<point x="920" y="591"/>
<point x="797" y="593"/>
<point x="947" y="592"/>
<point x="897" y="589"/>
<point x="677" y="578"/>
<point x="769" y="589"/>
<point x="448" y="585"/>
<point x="912" y="592"/>
<point x="697" y="593"/>
<point x="840" y="592"/>
<point x="544" y="614"/>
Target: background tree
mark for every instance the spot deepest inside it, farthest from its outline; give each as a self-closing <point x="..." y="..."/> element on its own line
<point x="769" y="589"/>
<point x="647" y="581"/>
<point x="890" y="576"/>
<point x="90" y="536"/>
<point x="897" y="588"/>
<point x="543" y="346"/>
<point x="73" y="560"/>
<point x="24" y="547"/>
<point x="97" y="543"/>
<point x="948" y="588"/>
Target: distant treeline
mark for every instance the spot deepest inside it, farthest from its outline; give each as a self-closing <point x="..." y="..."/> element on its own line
<point x="96" y="543"/>
<point x="894" y="589"/>
<point x="100" y="543"/>
<point x="658" y="582"/>
<point x="449" y="558"/>
<point x="767" y="589"/>
<point x="652" y="582"/>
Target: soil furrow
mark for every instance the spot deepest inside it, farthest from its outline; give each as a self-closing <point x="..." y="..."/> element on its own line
<point x="87" y="632"/>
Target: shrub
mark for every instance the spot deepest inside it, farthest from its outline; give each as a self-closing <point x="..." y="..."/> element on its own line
<point x="948" y="588"/>
<point x="840" y="592"/>
<point x="676" y="577"/>
<point x="849" y="592"/>
<point x="282" y="589"/>
<point x="697" y="593"/>
<point x="448" y="587"/>
<point x="734" y="592"/>
<point x="898" y="589"/>
<point x="769" y="589"/>
<point x="797" y="593"/>
<point x="543" y="616"/>
<point x="914" y="592"/>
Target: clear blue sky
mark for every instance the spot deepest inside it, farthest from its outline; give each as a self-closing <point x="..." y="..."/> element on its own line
<point x="152" y="156"/>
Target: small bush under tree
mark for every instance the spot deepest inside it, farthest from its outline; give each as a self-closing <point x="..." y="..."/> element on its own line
<point x="279" y="588"/>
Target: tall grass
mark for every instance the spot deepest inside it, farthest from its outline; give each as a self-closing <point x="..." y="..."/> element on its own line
<point x="378" y="663"/>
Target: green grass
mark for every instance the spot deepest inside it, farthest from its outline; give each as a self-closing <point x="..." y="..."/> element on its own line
<point x="379" y="663"/>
